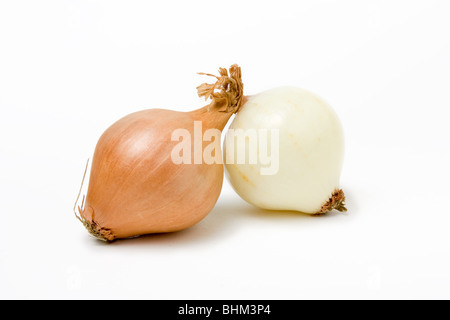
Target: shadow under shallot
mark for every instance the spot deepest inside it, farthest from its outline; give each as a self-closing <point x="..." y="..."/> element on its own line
<point x="230" y="215"/>
<point x="219" y="223"/>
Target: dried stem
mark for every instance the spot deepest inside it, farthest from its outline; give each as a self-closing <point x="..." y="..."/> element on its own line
<point x="229" y="98"/>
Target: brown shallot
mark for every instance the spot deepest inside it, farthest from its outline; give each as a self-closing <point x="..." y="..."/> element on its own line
<point x="144" y="180"/>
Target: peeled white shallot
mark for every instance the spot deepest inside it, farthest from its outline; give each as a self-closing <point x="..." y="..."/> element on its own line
<point x="293" y="145"/>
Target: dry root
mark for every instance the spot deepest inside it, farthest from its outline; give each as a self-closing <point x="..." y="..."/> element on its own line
<point x="336" y="202"/>
<point x="231" y="90"/>
<point x="92" y="228"/>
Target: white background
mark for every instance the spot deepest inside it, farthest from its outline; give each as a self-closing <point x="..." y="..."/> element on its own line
<point x="69" y="69"/>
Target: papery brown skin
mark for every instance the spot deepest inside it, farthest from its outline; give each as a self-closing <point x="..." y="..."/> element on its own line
<point x="136" y="189"/>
